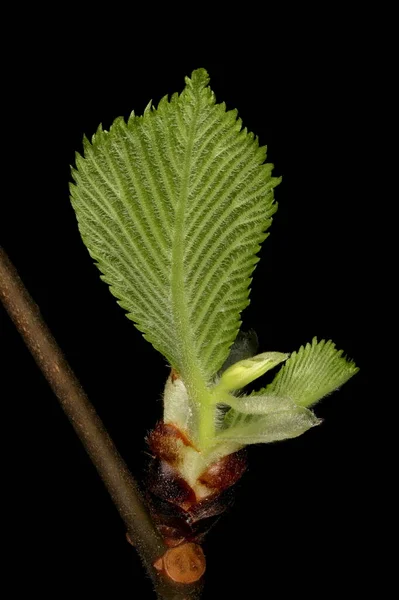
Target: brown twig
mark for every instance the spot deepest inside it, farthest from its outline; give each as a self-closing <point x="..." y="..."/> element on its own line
<point x="121" y="485"/>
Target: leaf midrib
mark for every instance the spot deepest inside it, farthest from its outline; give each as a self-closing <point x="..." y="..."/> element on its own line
<point x="192" y="376"/>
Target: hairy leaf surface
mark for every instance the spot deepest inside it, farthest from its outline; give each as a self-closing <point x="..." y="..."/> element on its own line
<point x="311" y="373"/>
<point x="173" y="206"/>
<point x="273" y="419"/>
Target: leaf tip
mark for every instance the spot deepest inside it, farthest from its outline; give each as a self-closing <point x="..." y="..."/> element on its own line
<point x="199" y="78"/>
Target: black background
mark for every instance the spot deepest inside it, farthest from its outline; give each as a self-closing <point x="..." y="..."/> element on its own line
<point x="299" y="519"/>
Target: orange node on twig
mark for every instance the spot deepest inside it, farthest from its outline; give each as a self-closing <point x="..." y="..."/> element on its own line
<point x="183" y="564"/>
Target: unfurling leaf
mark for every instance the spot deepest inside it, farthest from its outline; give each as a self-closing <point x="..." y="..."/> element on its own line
<point x="258" y="405"/>
<point x="311" y="373"/>
<point x="244" y="371"/>
<point x="280" y="423"/>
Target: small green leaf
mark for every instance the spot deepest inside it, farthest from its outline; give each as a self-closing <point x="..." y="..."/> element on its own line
<point x="244" y="429"/>
<point x="311" y="373"/>
<point x="258" y="405"/>
<point x="244" y="371"/>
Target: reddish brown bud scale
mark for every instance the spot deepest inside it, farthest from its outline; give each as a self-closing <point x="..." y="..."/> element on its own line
<point x="180" y="515"/>
<point x="225" y="472"/>
<point x="171" y="535"/>
<point x="165" y="482"/>
<point x="164" y="441"/>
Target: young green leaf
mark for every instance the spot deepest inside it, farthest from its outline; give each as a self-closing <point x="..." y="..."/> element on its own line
<point x="311" y="373"/>
<point x="281" y="420"/>
<point x="255" y="404"/>
<point x="244" y="371"/>
<point x="173" y="207"/>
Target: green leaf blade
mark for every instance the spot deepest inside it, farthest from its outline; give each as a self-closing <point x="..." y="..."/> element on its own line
<point x="173" y="207"/>
<point x="281" y="420"/>
<point x="311" y="373"/>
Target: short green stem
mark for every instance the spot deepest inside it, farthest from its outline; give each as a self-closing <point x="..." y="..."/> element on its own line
<point x="206" y="425"/>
